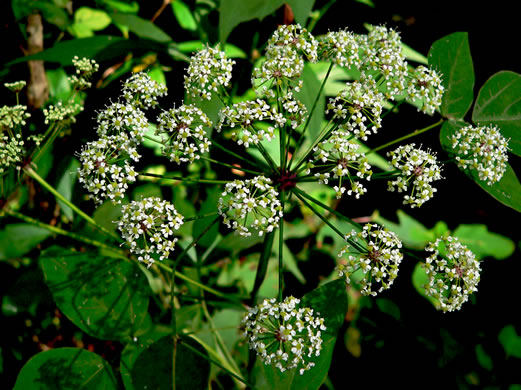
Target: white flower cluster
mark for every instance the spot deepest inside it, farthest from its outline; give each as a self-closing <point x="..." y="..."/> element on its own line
<point x="359" y="107"/>
<point x="85" y="68"/>
<point x="104" y="171"/>
<point x="375" y="252"/>
<point x="425" y="85"/>
<point x="382" y="53"/>
<point x="141" y="91"/>
<point x="182" y="133"/>
<point x="339" y="158"/>
<point x="241" y="117"/>
<point x="148" y="227"/>
<point x="250" y="204"/>
<point x="16" y="86"/>
<point x="13" y="116"/>
<point x="418" y="169"/>
<point x="12" y="151"/>
<point x="482" y="149"/>
<point x="62" y="113"/>
<point x="121" y="118"/>
<point x="453" y="272"/>
<point x="340" y="47"/>
<point x="285" y="54"/>
<point x="209" y="69"/>
<point x="284" y="334"/>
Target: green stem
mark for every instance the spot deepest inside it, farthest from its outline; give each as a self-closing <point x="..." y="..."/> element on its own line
<point x="394" y="107"/>
<point x="301" y="139"/>
<point x="324" y="133"/>
<point x="281" y="247"/>
<point x="267" y="157"/>
<point x="238" y="156"/>
<point x="325" y="206"/>
<point x="180" y="178"/>
<point x="153" y="139"/>
<point x="230" y="166"/>
<point x="59" y="196"/>
<point x="54" y="229"/>
<point x="201" y="216"/>
<point x="414" y="133"/>
<point x="262" y="267"/>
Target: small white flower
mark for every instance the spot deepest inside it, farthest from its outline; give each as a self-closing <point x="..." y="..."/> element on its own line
<point x="425" y="85"/>
<point x="143" y="92"/>
<point x="340" y="47"/>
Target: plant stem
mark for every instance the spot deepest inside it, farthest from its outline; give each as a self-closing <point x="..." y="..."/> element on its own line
<point x="325" y="206"/>
<point x="262" y="267"/>
<point x="153" y="139"/>
<point x="230" y="166"/>
<point x="395" y="106"/>
<point x="414" y="133"/>
<point x="301" y="139"/>
<point x="281" y="247"/>
<point x="201" y="216"/>
<point x="267" y="157"/>
<point x="59" y="196"/>
<point x="238" y="156"/>
<point x="180" y="178"/>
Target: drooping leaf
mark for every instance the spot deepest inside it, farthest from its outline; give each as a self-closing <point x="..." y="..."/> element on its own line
<point x="105" y="297"/>
<point x="184" y="15"/>
<point x="153" y="368"/>
<point x="511" y="341"/>
<point x="499" y="102"/>
<point x="483" y="358"/>
<point x="141" y="27"/>
<point x="66" y="368"/>
<point x="66" y="185"/>
<point x="330" y="302"/>
<point x="17" y="239"/>
<point x="307" y="95"/>
<point x="484" y="243"/>
<point x="450" y="55"/>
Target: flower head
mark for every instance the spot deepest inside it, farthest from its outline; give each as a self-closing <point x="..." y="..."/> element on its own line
<point x="375" y="253"/>
<point x="340" y="158"/>
<point x="294" y="38"/>
<point x="453" y="272"/>
<point x="85" y="68"/>
<point x="140" y="90"/>
<point x="425" y="85"/>
<point x="340" y="47"/>
<point x="62" y="113"/>
<point x="105" y="171"/>
<point x="482" y="149"/>
<point x="250" y="205"/>
<point x="16" y="86"/>
<point x="13" y="116"/>
<point x="12" y="151"/>
<point x="148" y="227"/>
<point x="119" y="118"/>
<point x="209" y="69"/>
<point x="182" y="132"/>
<point x="418" y="169"/>
<point x="284" y="334"/>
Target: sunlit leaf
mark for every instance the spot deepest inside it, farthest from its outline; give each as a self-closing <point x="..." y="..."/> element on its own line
<point x="66" y="368"/>
<point x="484" y="243"/>
<point x="184" y="15"/>
<point x="141" y="27"/>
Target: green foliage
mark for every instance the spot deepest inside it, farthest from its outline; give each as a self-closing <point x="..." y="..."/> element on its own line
<point x="19" y="238"/>
<point x="104" y="297"/>
<point x="66" y="368"/>
<point x="511" y="341"/>
<point x="87" y="20"/>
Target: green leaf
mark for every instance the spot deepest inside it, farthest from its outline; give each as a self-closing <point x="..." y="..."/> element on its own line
<point x="105" y="215"/>
<point x="52" y="13"/>
<point x="484" y="243"/>
<point x="511" y="341"/>
<point x="230" y="50"/>
<point x="507" y="190"/>
<point x="208" y="206"/>
<point x="141" y="27"/>
<point x="59" y="86"/>
<point x="307" y="95"/>
<point x="66" y="185"/>
<point x="483" y="358"/>
<point x="234" y="12"/>
<point x="329" y="302"/>
<point x="412" y="233"/>
<point x="66" y="368"/>
<point x="419" y="280"/>
<point x="301" y="10"/>
<point x="153" y="367"/>
<point x="104" y="297"/>
<point x="184" y="15"/>
<point x="413" y="55"/>
<point x="92" y="19"/>
<point x="16" y="239"/>
<point x="122" y="6"/>
<point x="388" y="307"/>
<point x="499" y="103"/>
<point x="451" y="56"/>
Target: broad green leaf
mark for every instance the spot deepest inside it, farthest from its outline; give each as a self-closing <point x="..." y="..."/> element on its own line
<point x="499" y="103"/>
<point x="388" y="307"/>
<point x="122" y="6"/>
<point x="93" y="19"/>
<point x="153" y="368"/>
<point x="419" y="280"/>
<point x="301" y="10"/>
<point x="413" y="55"/>
<point x="484" y="243"/>
<point x="208" y="206"/>
<point x="66" y="368"/>
<point x="483" y="358"/>
<point x="507" y="190"/>
<point x="105" y="297"/>
<point x="230" y="50"/>
<point x="16" y="239"/>
<point x="141" y="27"/>
<point x="234" y="12"/>
<point x="330" y="302"/>
<point x="184" y="15"/>
<point x="66" y="185"/>
<point x="450" y="55"/>
<point x="63" y="52"/>
<point x="106" y="215"/>
<point x="412" y="233"/>
<point x="307" y="95"/>
<point x="59" y="86"/>
<point x="52" y="13"/>
<point x="511" y="341"/>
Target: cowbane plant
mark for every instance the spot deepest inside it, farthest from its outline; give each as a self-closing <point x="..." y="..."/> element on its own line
<point x="273" y="144"/>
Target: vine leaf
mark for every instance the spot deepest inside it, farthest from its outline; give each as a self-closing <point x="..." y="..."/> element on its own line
<point x="105" y="297"/>
<point x="450" y="55"/>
